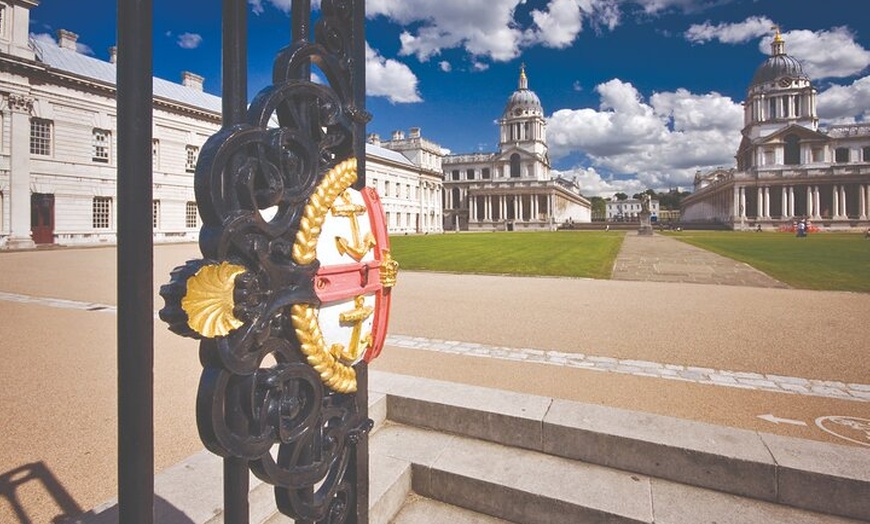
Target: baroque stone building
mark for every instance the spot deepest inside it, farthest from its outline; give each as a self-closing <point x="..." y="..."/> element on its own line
<point x="787" y="168"/>
<point x="58" y="152"/>
<point x="512" y="189"/>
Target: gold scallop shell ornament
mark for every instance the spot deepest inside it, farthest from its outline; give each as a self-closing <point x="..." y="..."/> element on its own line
<point x="209" y="300"/>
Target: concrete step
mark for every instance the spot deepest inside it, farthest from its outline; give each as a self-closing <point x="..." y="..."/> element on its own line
<point x="532" y="487"/>
<point x="420" y="510"/>
<point x="819" y="477"/>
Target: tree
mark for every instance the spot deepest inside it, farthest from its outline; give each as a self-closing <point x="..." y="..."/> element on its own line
<point x="620" y="196"/>
<point x="599" y="207"/>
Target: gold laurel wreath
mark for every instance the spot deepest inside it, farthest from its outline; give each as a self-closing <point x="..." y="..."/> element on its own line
<point x="335" y="375"/>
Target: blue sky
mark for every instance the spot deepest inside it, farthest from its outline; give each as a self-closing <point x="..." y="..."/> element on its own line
<point x="638" y="93"/>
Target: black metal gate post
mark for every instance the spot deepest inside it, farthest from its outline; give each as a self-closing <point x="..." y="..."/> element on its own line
<point x="234" y="89"/>
<point x="274" y="397"/>
<point x="135" y="265"/>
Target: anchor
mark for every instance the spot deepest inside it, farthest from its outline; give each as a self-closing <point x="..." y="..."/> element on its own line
<point x="357" y="344"/>
<point x="360" y="246"/>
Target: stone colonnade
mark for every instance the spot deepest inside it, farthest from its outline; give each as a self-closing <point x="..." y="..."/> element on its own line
<point x="814" y="201"/>
<point x="489" y="208"/>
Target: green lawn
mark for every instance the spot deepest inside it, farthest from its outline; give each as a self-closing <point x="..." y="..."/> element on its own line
<point x="557" y="253"/>
<point x="827" y="261"/>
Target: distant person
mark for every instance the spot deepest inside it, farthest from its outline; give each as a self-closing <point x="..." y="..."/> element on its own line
<point x="607" y="227"/>
<point x="867" y="233"/>
<point x="758" y="228"/>
<point x="802" y="228"/>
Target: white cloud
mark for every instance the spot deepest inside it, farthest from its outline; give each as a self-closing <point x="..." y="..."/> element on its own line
<point x="558" y="26"/>
<point x="283" y="5"/>
<point x="189" y="40"/>
<point x="390" y="78"/>
<point x="662" y="141"/>
<point x="749" y="29"/>
<point x="688" y="6"/>
<point x="844" y="104"/>
<point x="593" y="183"/>
<point x="488" y="28"/>
<point x="824" y="54"/>
<point x="445" y="66"/>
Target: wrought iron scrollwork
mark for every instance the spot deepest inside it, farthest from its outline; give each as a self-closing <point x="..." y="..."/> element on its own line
<point x="257" y="391"/>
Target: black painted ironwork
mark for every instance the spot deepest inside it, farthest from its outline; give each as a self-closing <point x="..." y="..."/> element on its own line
<point x="257" y="392"/>
<point x="135" y="265"/>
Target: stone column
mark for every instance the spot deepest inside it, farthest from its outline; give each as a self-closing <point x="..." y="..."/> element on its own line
<point x="535" y="208"/>
<point x="20" y="109"/>
<point x="784" y="202"/>
<point x="472" y="211"/>
<point x="742" y="202"/>
<point x="810" y="206"/>
<point x="735" y="202"/>
<point x="791" y="201"/>
<point x="862" y="202"/>
<point x="759" y="203"/>
<point x="767" y="202"/>
<point x="844" y="213"/>
<point x="817" y="202"/>
<point x="836" y="202"/>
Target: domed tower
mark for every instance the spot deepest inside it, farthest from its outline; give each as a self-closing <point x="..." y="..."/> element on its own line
<point x="779" y="95"/>
<point x="522" y="125"/>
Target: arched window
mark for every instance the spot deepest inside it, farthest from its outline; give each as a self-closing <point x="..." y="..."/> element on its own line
<point x="865" y="154"/>
<point x="457" y="198"/>
<point x="515" y="165"/>
<point x="771" y="108"/>
<point x="792" y="150"/>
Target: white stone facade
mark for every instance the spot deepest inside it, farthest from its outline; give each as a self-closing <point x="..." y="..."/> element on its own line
<point x="512" y="189"/>
<point x="58" y="148"/>
<point x="629" y="210"/>
<point x="787" y="168"/>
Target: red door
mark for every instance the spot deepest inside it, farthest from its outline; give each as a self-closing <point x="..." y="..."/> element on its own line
<point x="42" y="218"/>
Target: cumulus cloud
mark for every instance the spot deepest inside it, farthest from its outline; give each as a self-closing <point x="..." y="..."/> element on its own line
<point x="749" y="29"/>
<point x="662" y="141"/>
<point x="688" y="6"/>
<point x="824" y="54"/>
<point x="189" y="40"/>
<point x="845" y="103"/>
<point x="594" y="183"/>
<point x="283" y="5"/>
<point x="489" y="28"/>
<point x="390" y="78"/>
<point x="445" y="66"/>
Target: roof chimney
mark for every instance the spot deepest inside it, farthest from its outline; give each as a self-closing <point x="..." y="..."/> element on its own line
<point x="398" y="135"/>
<point x="374" y="139"/>
<point x="414" y="132"/>
<point x="192" y="80"/>
<point x="67" y="39"/>
<point x="113" y="55"/>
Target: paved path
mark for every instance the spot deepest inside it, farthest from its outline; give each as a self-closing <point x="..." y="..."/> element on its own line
<point x="659" y="258"/>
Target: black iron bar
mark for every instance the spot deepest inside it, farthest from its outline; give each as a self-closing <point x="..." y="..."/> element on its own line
<point x="358" y="84"/>
<point x="234" y="93"/>
<point x="135" y="265"/>
<point x="300" y="28"/>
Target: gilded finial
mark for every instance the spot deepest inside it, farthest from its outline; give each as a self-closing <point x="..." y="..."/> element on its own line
<point x="524" y="81"/>
<point x="777" y="47"/>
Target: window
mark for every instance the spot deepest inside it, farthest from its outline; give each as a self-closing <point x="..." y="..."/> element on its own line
<point x="190" y="215"/>
<point x="155" y="154"/>
<point x="841" y="155"/>
<point x="190" y="163"/>
<point x="40" y="137"/>
<point x="155" y="214"/>
<point x="865" y="154"/>
<point x="818" y="154"/>
<point x="455" y="174"/>
<point x="485" y="173"/>
<point x="771" y="112"/>
<point x="386" y="188"/>
<point x="515" y="165"/>
<point x="792" y="150"/>
<point x="2" y="20"/>
<point x="102" y="143"/>
<point x="408" y="191"/>
<point x="469" y="174"/>
<point x="398" y="190"/>
<point x="102" y="212"/>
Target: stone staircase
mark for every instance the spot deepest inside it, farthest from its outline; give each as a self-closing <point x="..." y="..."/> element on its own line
<point x="446" y="452"/>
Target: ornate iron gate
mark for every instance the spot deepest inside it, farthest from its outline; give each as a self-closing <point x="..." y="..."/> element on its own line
<point x="279" y="393"/>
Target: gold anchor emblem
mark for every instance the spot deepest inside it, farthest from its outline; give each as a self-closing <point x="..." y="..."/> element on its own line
<point x="360" y="246"/>
<point x="357" y="344"/>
